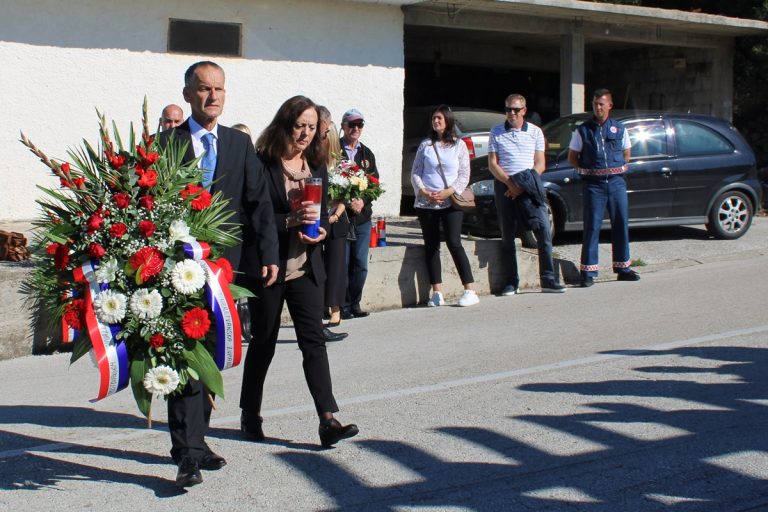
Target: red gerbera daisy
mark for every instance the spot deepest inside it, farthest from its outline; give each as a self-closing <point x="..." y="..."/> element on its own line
<point x="196" y="323"/>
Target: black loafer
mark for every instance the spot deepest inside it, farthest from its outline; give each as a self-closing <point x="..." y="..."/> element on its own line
<point x="212" y="462"/>
<point x="189" y="473"/>
<point x="329" y="335"/>
<point x="347" y="315"/>
<point x="586" y="282"/>
<point x="250" y="427"/>
<point x="628" y="276"/>
<point x="331" y="432"/>
<point x="359" y="313"/>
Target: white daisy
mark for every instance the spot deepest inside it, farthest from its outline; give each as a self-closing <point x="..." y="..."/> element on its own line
<point x="161" y="380"/>
<point x="106" y="271"/>
<point x="146" y="304"/>
<point x="110" y="306"/>
<point x="187" y="277"/>
<point x="178" y="230"/>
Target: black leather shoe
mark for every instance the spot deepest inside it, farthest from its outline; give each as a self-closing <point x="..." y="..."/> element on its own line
<point x="212" y="462"/>
<point x="329" y="335"/>
<point x="359" y="313"/>
<point x="250" y="427"/>
<point x="586" y="282"/>
<point x="331" y="432"/>
<point x="347" y="315"/>
<point x="333" y="324"/>
<point x="630" y="275"/>
<point x="189" y="473"/>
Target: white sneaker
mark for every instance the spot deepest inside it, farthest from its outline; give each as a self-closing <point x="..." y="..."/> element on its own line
<point x="469" y="298"/>
<point x="510" y="290"/>
<point x="436" y="300"/>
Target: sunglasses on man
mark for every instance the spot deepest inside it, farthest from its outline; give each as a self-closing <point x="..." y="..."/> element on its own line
<point x="516" y="110"/>
<point x="356" y="124"/>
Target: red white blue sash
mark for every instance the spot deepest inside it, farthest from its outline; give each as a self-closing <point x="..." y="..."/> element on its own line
<point x="228" y="351"/>
<point x="111" y="356"/>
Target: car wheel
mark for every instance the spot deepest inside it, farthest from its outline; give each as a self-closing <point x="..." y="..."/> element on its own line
<point x="731" y="216"/>
<point x="528" y="239"/>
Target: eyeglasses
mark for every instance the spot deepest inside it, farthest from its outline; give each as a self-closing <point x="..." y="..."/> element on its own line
<point x="516" y="110"/>
<point x="356" y="124"/>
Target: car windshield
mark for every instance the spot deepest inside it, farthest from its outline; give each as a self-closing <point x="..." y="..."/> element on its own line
<point x="477" y="121"/>
<point x="558" y="135"/>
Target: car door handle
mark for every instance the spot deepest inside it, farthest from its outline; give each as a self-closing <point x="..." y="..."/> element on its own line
<point x="666" y="172"/>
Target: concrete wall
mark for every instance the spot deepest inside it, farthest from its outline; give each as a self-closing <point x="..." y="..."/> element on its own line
<point x="664" y="78"/>
<point x="62" y="60"/>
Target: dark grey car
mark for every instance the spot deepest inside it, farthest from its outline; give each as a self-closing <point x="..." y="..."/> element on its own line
<point x="685" y="169"/>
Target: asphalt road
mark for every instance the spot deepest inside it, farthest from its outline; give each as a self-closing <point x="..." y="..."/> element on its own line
<point x="622" y="397"/>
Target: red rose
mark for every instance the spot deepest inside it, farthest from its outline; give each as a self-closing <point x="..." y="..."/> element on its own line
<point x="96" y="250"/>
<point x="148" y="179"/>
<point x="61" y="258"/>
<point x="226" y="269"/>
<point x="118" y="230"/>
<point x="121" y="200"/>
<point x="73" y="313"/>
<point x="202" y="201"/>
<point x="94" y="223"/>
<point x="156" y="340"/>
<point x="147" y="262"/>
<point x="191" y="190"/>
<point x="147" y="202"/>
<point x="146" y="228"/>
<point x="196" y="323"/>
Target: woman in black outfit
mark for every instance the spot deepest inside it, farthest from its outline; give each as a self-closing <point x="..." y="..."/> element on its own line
<point x="291" y="153"/>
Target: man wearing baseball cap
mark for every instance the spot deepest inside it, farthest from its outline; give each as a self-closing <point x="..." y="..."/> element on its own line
<point x="359" y="211"/>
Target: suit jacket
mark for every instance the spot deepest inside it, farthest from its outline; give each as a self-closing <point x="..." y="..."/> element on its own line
<point x="365" y="158"/>
<point x="240" y="178"/>
<point x="282" y="208"/>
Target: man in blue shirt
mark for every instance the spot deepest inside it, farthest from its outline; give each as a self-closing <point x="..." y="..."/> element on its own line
<point x="600" y="150"/>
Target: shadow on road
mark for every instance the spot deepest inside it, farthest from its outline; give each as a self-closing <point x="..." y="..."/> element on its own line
<point x="659" y="441"/>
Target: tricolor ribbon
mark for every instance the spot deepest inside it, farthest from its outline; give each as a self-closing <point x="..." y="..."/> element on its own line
<point x="111" y="356"/>
<point x="228" y="351"/>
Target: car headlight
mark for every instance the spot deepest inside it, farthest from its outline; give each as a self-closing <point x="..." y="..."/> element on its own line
<point x="482" y="188"/>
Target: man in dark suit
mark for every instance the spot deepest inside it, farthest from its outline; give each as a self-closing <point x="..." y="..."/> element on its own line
<point x="229" y="165"/>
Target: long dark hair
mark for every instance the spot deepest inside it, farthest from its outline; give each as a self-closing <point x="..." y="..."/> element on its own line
<point x="449" y="135"/>
<point x="276" y="139"/>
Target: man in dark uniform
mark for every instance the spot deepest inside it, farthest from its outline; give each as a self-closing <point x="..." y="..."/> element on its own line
<point x="600" y="150"/>
<point x="359" y="212"/>
<point x="229" y="158"/>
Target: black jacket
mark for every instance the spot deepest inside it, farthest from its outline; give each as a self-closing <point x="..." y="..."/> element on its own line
<point x="532" y="198"/>
<point x="364" y="158"/>
<point x="241" y="180"/>
<point x="282" y="208"/>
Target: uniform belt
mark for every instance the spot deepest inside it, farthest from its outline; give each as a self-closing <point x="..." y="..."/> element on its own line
<point x="602" y="172"/>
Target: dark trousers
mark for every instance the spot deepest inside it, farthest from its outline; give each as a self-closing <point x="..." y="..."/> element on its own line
<point x="188" y="416"/>
<point x="357" y="261"/>
<point x="509" y="216"/>
<point x="600" y="193"/>
<point x="450" y="218"/>
<point x="305" y="304"/>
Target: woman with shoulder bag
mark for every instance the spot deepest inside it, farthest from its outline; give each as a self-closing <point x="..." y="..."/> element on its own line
<point x="440" y="170"/>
